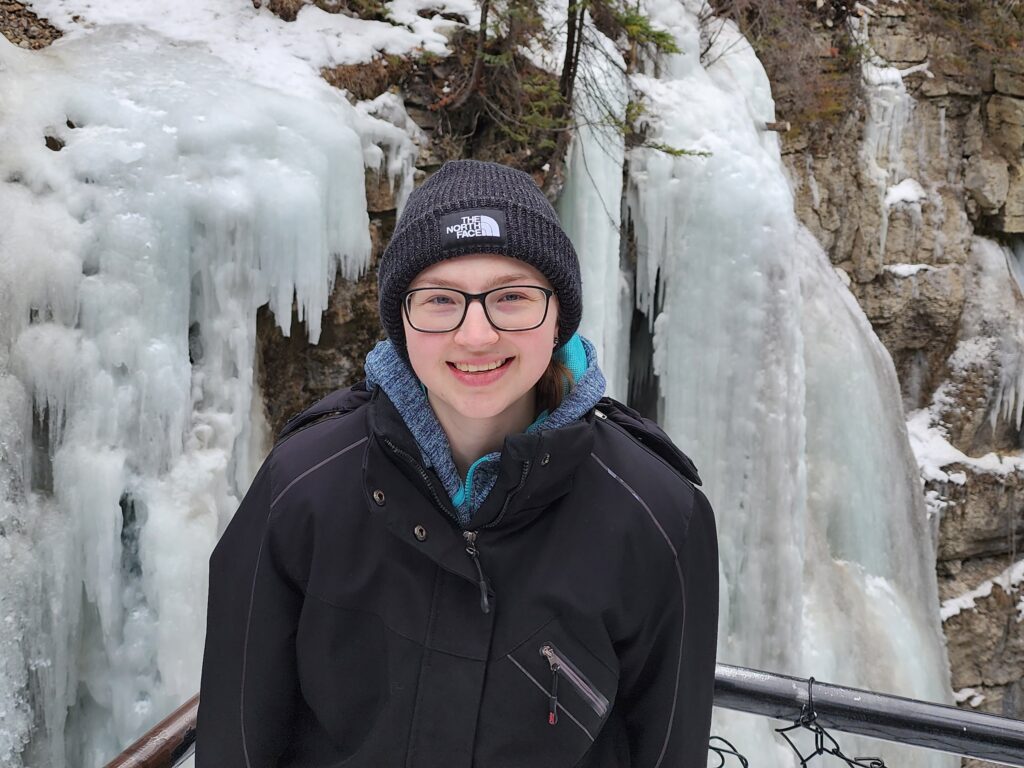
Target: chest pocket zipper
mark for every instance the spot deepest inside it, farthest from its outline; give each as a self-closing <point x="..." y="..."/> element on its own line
<point x="562" y="667"/>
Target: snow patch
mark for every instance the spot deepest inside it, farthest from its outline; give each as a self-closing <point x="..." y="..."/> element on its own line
<point x="906" y="270"/>
<point x="1007" y="580"/>
<point x="907" y="192"/>
<point x="933" y="451"/>
<point x="970" y="695"/>
<point x="260" y="46"/>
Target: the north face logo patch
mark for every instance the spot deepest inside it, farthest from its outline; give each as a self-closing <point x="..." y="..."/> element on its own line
<point x="474" y="226"/>
<point x="483" y="225"/>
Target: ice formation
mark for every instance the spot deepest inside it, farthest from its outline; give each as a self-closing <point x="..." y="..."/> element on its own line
<point x="590" y="206"/>
<point x="184" y="196"/>
<point x="890" y="111"/>
<point x="154" y="195"/>
<point x="772" y="377"/>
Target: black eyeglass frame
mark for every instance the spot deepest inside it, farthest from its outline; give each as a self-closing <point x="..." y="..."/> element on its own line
<point x="470" y="298"/>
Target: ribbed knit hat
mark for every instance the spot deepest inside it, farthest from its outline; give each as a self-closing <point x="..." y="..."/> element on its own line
<point x="469" y="206"/>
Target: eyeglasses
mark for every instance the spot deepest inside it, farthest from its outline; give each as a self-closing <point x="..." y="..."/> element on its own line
<point x="509" y="308"/>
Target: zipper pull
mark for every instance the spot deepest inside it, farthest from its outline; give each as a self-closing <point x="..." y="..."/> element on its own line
<point x="471" y="550"/>
<point x="548" y="653"/>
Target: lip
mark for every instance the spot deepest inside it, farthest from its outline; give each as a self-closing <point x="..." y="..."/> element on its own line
<point x="480" y="378"/>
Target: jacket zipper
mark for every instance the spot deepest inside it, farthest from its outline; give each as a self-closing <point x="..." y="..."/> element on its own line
<point x="474" y="555"/>
<point x="561" y="666"/>
<point x="513" y="492"/>
<point x="426" y="480"/>
<point x="469" y="536"/>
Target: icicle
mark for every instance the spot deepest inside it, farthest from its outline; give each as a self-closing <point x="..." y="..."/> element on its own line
<point x="590" y="205"/>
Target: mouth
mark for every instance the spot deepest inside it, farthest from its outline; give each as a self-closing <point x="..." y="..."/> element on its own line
<point x="481" y="367"/>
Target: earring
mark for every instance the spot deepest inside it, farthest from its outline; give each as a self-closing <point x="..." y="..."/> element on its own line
<point x="556" y="341"/>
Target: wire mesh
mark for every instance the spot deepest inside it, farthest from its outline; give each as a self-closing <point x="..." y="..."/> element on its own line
<point x="825" y="745"/>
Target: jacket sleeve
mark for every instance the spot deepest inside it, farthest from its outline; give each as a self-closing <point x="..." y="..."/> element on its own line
<point x="668" y="693"/>
<point x="249" y="684"/>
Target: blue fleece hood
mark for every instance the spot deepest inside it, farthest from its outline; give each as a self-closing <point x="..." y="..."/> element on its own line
<point x="387" y="369"/>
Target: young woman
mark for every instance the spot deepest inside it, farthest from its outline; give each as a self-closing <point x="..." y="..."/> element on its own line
<point x="472" y="559"/>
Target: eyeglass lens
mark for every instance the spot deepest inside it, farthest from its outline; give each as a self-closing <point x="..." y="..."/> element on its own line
<point x="514" y="308"/>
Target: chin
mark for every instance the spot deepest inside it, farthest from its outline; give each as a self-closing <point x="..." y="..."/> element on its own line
<point x="484" y="408"/>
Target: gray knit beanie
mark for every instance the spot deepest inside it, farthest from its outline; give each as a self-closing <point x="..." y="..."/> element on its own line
<point x="470" y="206"/>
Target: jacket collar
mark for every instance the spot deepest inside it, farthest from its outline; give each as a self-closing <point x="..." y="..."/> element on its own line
<point x="535" y="468"/>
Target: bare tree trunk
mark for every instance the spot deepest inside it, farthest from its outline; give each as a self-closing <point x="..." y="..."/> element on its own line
<point x="478" y="62"/>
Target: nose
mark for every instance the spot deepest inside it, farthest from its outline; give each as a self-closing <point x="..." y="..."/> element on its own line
<point x="476" y="330"/>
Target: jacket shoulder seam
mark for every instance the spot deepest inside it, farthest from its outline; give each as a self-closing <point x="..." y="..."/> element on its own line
<point x="309" y="470"/>
<point x="649" y="451"/>
<point x="326" y="416"/>
<point x="641" y="501"/>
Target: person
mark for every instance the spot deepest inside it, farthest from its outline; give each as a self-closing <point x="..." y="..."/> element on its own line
<point x="472" y="558"/>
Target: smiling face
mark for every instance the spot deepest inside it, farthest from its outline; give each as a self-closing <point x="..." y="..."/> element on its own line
<point x="476" y="372"/>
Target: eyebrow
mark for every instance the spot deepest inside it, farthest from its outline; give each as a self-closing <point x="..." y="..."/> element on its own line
<point x="509" y="279"/>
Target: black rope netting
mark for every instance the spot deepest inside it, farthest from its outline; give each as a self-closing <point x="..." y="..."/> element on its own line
<point x="825" y="744"/>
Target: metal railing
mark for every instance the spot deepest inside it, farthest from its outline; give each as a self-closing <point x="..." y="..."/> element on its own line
<point x="937" y="727"/>
<point x="166" y="744"/>
<point x="805" y="703"/>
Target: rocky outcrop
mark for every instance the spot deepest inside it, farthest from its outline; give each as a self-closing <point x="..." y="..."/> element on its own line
<point x="982" y="528"/>
<point x="24" y="28"/>
<point x="982" y="615"/>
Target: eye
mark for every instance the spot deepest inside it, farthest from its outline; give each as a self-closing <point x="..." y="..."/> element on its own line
<point x="512" y="296"/>
<point x="432" y="299"/>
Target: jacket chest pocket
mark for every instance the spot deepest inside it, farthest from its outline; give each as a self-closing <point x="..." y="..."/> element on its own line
<point x="563" y="668"/>
<point x="546" y="701"/>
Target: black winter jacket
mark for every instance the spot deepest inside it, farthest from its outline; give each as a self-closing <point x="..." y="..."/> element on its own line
<point x="353" y="623"/>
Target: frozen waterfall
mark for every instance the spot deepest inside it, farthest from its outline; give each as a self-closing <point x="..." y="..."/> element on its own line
<point x="182" y="196"/>
<point x="772" y="378"/>
<point x="152" y="202"/>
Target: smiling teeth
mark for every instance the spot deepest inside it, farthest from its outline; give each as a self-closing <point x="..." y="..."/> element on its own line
<point x="467" y="368"/>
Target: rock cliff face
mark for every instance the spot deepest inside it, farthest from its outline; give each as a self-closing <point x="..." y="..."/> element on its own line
<point x="919" y="198"/>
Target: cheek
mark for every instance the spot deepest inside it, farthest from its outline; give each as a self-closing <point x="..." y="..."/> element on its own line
<point x="424" y="351"/>
<point x="536" y="351"/>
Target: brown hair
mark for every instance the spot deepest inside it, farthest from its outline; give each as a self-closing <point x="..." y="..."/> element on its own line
<point x="553" y="385"/>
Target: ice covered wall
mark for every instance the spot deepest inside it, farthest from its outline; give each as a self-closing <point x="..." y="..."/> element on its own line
<point x="154" y="195"/>
<point x="771" y="376"/>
